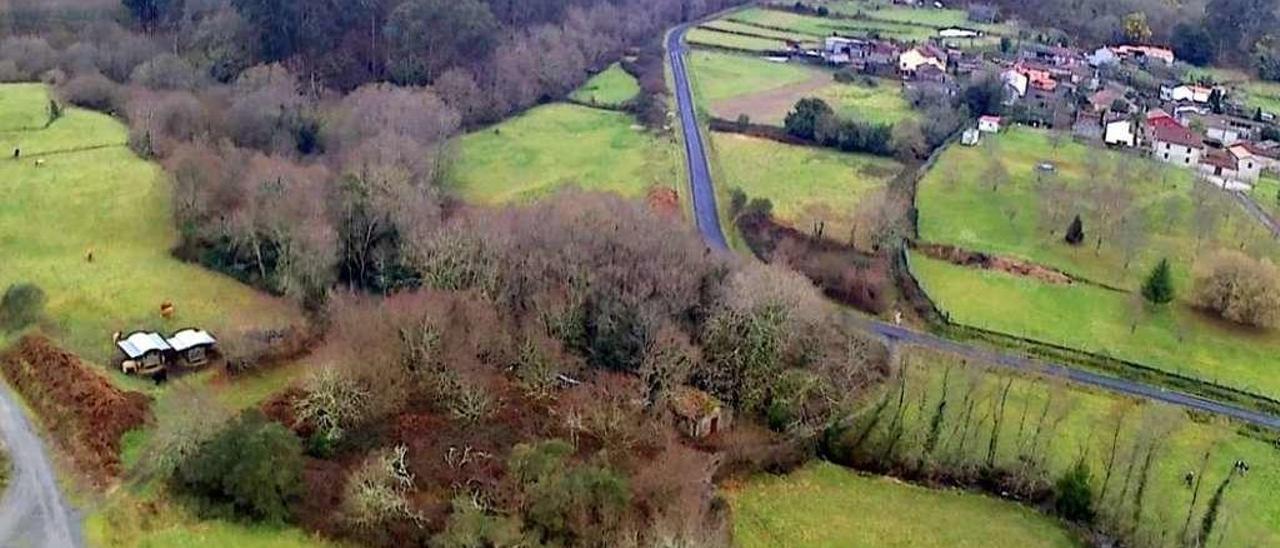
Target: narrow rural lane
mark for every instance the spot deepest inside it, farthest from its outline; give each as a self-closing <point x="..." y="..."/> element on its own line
<point x="33" y="512"/>
<point x="703" y="192"/>
<point x="1257" y="212"/>
<point x="708" y="221"/>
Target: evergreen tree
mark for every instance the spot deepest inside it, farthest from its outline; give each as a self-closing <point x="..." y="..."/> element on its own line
<point x="1158" y="289"/>
<point x="1075" y="232"/>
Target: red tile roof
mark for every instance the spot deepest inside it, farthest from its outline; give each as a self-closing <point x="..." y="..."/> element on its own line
<point x="1177" y="135"/>
<point x="1220" y="159"/>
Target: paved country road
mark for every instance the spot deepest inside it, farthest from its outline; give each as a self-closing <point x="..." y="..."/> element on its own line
<point x="708" y="221"/>
<point x="704" y="194"/>
<point x="33" y="512"/>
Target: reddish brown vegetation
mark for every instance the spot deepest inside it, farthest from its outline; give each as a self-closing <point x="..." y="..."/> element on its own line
<point x="841" y="271"/>
<point x="664" y="201"/>
<point x="963" y="257"/>
<point x="81" y="410"/>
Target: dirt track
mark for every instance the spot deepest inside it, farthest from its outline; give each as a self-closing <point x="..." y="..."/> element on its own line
<point x="769" y="107"/>
<point x="33" y="511"/>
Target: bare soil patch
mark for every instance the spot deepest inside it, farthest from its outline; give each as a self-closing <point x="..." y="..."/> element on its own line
<point x="975" y="259"/>
<point x="769" y="107"/>
<point x="83" y="412"/>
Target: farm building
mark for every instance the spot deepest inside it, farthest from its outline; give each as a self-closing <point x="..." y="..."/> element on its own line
<point x="989" y="124"/>
<point x="1176" y="145"/>
<point x="911" y="60"/>
<point x="698" y="414"/>
<point x="193" y="345"/>
<point x="1142" y="54"/>
<point x="146" y="349"/>
<point x="1120" y="132"/>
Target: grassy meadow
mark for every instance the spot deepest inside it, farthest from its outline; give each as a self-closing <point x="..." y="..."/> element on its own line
<point x="806" y="185"/>
<point x="710" y="37"/>
<point x="1080" y="423"/>
<point x="734" y="26"/>
<point x="716" y="76"/>
<point x="826" y="505"/>
<point x="959" y="206"/>
<point x="1263" y="95"/>
<point x="881" y="103"/>
<point x="94" y="194"/>
<point x="548" y="147"/>
<point x="611" y="88"/>
<point x="1267" y="194"/>
<point x="925" y="16"/>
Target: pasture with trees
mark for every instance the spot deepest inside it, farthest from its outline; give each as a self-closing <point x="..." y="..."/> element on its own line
<point x="1144" y="229"/>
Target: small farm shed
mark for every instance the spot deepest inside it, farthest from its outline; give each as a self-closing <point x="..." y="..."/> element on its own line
<point x="698" y="414"/>
<point x="147" y="349"/>
<point x="193" y="345"/>
<point x="989" y="124"/>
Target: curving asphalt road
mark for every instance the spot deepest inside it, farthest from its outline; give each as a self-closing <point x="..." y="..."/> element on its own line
<point x="708" y="221"/>
<point x="33" y="512"/>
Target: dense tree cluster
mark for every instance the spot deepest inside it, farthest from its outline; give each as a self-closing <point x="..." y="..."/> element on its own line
<point x="1240" y="288"/>
<point x="813" y="119"/>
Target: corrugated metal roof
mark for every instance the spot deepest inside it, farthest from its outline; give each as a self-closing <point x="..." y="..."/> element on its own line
<point x="141" y="343"/>
<point x="190" y="338"/>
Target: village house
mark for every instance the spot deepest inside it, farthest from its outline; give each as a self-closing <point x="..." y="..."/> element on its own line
<point x="838" y="50"/>
<point x="1055" y="56"/>
<point x="1102" y="57"/>
<point x="1222" y="129"/>
<point x="1141" y="54"/>
<point x="1266" y="153"/>
<point x="1119" y="132"/>
<point x="911" y="60"/>
<point x="1186" y="94"/>
<point x="989" y="124"/>
<point x="971" y="137"/>
<point x="1175" y="144"/>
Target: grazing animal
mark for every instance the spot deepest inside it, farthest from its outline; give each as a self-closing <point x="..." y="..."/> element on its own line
<point x="1189" y="479"/>
<point x="16" y="153"/>
<point x="166" y="309"/>
<point x="40" y="162"/>
<point x="88" y="256"/>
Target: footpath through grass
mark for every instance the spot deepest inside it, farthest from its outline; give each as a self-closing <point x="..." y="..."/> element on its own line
<point x="105" y="200"/>
<point x="826" y="505"/>
<point x="1045" y="426"/>
<point x="611" y="88"/>
<point x="552" y="146"/>
<point x="806" y="185"/>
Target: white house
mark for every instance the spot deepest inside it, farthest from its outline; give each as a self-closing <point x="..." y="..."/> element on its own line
<point x="971" y="137"/>
<point x="914" y="58"/>
<point x="1185" y="93"/>
<point x="1102" y="57"/>
<point x="1176" y="145"/>
<point x="957" y="32"/>
<point x="1249" y="166"/>
<point x="1146" y="52"/>
<point x="1120" y="132"/>
<point x="1016" y="82"/>
<point x="989" y="124"/>
<point x="837" y="50"/>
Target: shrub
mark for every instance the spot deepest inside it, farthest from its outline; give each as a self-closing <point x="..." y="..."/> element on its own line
<point x="1075" y="232"/>
<point x="92" y="91"/>
<point x="376" y="493"/>
<point x="1074" y="496"/>
<point x="1240" y="289"/>
<point x="22" y="305"/>
<point x="252" y="467"/>
<point x="1158" y="289"/>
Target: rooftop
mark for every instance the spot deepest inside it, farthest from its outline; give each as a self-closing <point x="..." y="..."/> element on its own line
<point x="1178" y="135"/>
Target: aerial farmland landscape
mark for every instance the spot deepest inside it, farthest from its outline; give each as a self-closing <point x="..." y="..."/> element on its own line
<point x="471" y="273"/>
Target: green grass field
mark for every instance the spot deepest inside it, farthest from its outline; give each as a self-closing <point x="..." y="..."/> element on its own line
<point x="1080" y="424"/>
<point x="99" y="196"/>
<point x="610" y="88"/>
<point x="548" y="147"/>
<point x="1264" y="95"/>
<point x="1100" y="321"/>
<point x="826" y="505"/>
<point x="927" y="16"/>
<point x="23" y="107"/>
<point x="1267" y="194"/>
<point x="958" y="206"/>
<point x="806" y="185"/>
<point x="717" y="76"/>
<point x="882" y="103"/>
<point x="708" y="37"/>
<point x="733" y="26"/>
